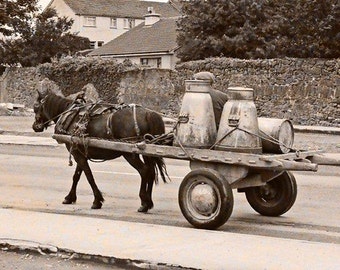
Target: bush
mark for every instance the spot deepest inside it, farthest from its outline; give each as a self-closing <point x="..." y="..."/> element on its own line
<point x="104" y="74"/>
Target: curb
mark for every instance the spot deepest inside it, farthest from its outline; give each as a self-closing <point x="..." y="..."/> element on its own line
<point x="169" y="122"/>
<point x="26" y="133"/>
<point x="317" y="130"/>
<point x="49" y="250"/>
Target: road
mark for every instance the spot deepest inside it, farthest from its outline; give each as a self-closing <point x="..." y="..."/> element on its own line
<point x="38" y="178"/>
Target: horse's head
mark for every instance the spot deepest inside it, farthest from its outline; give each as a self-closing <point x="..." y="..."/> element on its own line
<point x="42" y="120"/>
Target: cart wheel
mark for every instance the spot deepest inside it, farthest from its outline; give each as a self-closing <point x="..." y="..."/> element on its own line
<point x="276" y="197"/>
<point x="205" y="198"/>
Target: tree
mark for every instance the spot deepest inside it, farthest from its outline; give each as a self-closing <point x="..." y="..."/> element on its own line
<point x="40" y="39"/>
<point x="259" y="29"/>
<point x="15" y="13"/>
<point x="313" y="30"/>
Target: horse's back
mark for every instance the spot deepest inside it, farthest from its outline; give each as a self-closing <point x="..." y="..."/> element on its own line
<point x="134" y="122"/>
<point x="124" y="124"/>
<point x="110" y="121"/>
<point x="157" y="126"/>
<point x="98" y="127"/>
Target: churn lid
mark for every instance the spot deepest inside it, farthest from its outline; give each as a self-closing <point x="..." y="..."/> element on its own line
<point x="240" y="93"/>
<point x="197" y="86"/>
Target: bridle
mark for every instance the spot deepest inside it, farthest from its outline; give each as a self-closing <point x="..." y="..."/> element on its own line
<point x="40" y="119"/>
<point x="43" y="120"/>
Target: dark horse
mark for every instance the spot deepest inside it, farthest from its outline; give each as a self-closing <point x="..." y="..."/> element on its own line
<point x="125" y="122"/>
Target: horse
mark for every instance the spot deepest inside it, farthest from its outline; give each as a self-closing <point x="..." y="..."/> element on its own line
<point x="105" y="122"/>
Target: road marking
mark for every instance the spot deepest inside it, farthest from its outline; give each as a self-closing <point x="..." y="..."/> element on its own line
<point x="132" y="174"/>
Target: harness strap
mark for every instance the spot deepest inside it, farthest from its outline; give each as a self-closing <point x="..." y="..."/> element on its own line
<point x="109" y="121"/>
<point x="135" y="119"/>
<point x="63" y="123"/>
<point x="109" y="124"/>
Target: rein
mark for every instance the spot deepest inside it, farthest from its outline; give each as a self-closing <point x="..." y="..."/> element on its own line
<point x="72" y="106"/>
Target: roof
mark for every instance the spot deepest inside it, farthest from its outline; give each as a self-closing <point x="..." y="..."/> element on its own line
<point x="156" y="38"/>
<point x="122" y="8"/>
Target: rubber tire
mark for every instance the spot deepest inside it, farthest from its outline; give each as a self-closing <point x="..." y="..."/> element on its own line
<point x="285" y="188"/>
<point x="222" y="191"/>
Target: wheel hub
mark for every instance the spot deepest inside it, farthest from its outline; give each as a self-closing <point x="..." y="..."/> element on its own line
<point x="203" y="199"/>
<point x="268" y="192"/>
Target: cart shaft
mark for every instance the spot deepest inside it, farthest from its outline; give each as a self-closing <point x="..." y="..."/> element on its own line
<point x="206" y="155"/>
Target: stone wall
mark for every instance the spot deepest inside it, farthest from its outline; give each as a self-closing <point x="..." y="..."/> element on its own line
<point x="153" y="88"/>
<point x="17" y="85"/>
<point x="307" y="91"/>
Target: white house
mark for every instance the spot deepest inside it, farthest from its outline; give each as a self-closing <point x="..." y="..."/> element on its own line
<point x="150" y="44"/>
<point x="104" y="20"/>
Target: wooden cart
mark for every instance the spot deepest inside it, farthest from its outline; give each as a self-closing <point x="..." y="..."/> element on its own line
<point x="205" y="194"/>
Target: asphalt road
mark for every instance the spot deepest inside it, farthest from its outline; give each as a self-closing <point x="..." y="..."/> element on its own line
<point x="38" y="178"/>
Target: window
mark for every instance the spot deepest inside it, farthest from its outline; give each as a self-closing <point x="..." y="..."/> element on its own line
<point x="129" y="23"/>
<point x="90" y="21"/>
<point x="159" y="62"/>
<point x="132" y="23"/>
<point x="113" y="23"/>
<point x="92" y="44"/>
<point x="100" y="43"/>
<point x="144" y="61"/>
<point x="151" y="62"/>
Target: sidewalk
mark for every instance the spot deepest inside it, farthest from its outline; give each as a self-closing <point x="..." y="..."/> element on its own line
<point x="18" y="130"/>
<point x="27" y="140"/>
<point x="317" y="129"/>
<point x="161" y="246"/>
<point x="17" y="124"/>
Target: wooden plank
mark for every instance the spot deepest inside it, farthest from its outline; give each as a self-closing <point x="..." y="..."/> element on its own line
<point x="232" y="158"/>
<point x="323" y="160"/>
<point x="291" y="156"/>
<point x="290" y="165"/>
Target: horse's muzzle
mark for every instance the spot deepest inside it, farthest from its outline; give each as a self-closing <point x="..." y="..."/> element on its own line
<point x="38" y="127"/>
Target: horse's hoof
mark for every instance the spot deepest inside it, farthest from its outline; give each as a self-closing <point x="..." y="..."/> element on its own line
<point x="143" y="209"/>
<point x="68" y="201"/>
<point x="96" y="205"/>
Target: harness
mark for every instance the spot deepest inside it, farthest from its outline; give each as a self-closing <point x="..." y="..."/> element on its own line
<point x="109" y="120"/>
<point x="75" y="120"/>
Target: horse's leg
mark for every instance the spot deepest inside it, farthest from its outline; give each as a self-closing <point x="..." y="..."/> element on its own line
<point x="72" y="195"/>
<point x="84" y="165"/>
<point x="151" y="178"/>
<point x="136" y="162"/>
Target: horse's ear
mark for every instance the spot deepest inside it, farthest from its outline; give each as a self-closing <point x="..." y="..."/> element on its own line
<point x="42" y="91"/>
<point x="39" y="94"/>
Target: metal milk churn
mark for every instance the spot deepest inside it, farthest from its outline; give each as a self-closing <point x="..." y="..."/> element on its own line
<point x="277" y="135"/>
<point x="196" y="124"/>
<point x="239" y="130"/>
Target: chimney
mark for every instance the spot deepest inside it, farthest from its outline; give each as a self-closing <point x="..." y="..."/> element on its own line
<point x="151" y="17"/>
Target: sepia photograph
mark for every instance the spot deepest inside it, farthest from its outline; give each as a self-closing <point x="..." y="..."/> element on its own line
<point x="170" y="134"/>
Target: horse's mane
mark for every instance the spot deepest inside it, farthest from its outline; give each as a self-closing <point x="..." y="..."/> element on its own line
<point x="56" y="104"/>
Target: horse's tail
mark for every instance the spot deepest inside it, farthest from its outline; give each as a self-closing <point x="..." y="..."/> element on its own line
<point x="157" y="127"/>
<point x="160" y="168"/>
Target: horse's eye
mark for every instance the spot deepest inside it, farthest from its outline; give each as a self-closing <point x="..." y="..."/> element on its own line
<point x="36" y="107"/>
